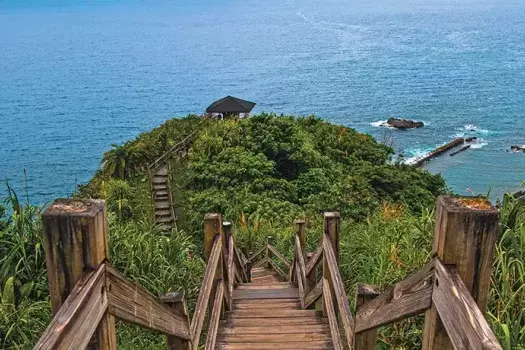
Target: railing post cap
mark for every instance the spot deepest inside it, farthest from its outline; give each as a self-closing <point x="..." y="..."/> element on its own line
<point x="173" y="297"/>
<point x="226" y="223"/>
<point x="367" y="289"/>
<point x="212" y="216"/>
<point x="458" y="204"/>
<point x="299" y="221"/>
<point x="331" y="214"/>
<point x="77" y="207"/>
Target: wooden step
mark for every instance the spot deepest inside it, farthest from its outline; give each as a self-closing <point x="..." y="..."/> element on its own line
<point x="266" y="293"/>
<point x="162" y="212"/>
<point x="164" y="219"/>
<point x="159" y="180"/>
<point x="269" y="313"/>
<point x="284" y="329"/>
<point x="266" y="335"/>
<point x="162" y="204"/>
<point x="161" y="193"/>
<point x="268" y="304"/>
<point x="318" y="345"/>
<point x="275" y="285"/>
<point x="272" y="322"/>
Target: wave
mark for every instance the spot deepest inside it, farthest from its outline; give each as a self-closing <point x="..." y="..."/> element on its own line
<point x="415" y="154"/>
<point x="380" y="123"/>
<point x="479" y="143"/>
<point x="470" y="130"/>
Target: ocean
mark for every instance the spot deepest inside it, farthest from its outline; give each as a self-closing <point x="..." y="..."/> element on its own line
<point x="78" y="76"/>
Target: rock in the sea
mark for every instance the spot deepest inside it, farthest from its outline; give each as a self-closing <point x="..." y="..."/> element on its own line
<point x="404" y="123"/>
<point x="518" y="148"/>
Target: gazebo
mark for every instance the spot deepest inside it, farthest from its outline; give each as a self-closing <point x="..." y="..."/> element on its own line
<point x="230" y="106"/>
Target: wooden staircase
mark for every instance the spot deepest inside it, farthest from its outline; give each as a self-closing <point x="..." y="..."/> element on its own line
<point x="266" y="301"/>
<point x="267" y="314"/>
<point x="162" y="200"/>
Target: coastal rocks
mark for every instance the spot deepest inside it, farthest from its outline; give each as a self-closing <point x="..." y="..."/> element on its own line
<point x="518" y="148"/>
<point x="404" y="123"/>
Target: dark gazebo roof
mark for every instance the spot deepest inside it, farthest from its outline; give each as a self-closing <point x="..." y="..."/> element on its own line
<point x="230" y="104"/>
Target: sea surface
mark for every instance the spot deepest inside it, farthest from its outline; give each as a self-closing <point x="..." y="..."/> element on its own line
<point x="78" y="76"/>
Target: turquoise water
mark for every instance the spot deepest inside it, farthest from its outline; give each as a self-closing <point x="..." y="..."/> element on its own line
<point x="77" y="76"/>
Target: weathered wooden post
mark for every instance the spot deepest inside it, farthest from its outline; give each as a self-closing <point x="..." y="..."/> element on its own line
<point x="331" y="231"/>
<point x="365" y="340"/>
<point x="213" y="231"/>
<point x="248" y="265"/>
<point x="177" y="301"/>
<point x="76" y="241"/>
<point x="465" y="236"/>
<point x="269" y="254"/>
<point x="228" y="260"/>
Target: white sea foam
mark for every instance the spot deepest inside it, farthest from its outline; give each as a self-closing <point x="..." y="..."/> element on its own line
<point x="479" y="143"/>
<point x="379" y="123"/>
<point x="415" y="154"/>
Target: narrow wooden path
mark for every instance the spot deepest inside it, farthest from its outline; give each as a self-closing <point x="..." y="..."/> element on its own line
<point x="162" y="201"/>
<point x="267" y="314"/>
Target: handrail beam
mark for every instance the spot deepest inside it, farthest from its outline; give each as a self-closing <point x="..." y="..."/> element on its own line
<point x="79" y="316"/>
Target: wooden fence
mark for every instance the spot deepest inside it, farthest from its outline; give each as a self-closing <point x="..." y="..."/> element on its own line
<point x="451" y="289"/>
<point x="87" y="293"/>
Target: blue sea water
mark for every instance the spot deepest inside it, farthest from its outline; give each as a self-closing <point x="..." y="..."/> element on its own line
<point x="77" y="76"/>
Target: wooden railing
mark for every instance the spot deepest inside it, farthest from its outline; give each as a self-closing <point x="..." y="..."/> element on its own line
<point x="87" y="293"/>
<point x="451" y="289"/>
<point x="180" y="147"/>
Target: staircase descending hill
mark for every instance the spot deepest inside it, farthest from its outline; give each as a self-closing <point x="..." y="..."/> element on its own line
<point x="267" y="314"/>
<point x="162" y="198"/>
<point x="264" y="300"/>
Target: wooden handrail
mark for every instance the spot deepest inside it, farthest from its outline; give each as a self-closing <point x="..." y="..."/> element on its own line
<point x="214" y="318"/>
<point x="339" y="290"/>
<point x="315" y="259"/>
<point x="332" y="318"/>
<point x="79" y="316"/>
<point x="409" y="297"/>
<point x="205" y="292"/>
<point x="465" y="324"/>
<point x="278" y="255"/>
<point x="257" y="253"/>
<point x="132" y="303"/>
<point x="300" y="260"/>
<point x="173" y="148"/>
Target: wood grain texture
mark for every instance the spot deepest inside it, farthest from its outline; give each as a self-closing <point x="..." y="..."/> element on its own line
<point x="409" y="297"/>
<point x="464" y="237"/>
<point x="212" y="227"/>
<point x="330" y="234"/>
<point x="315" y="259"/>
<point x="214" y="318"/>
<point x="461" y="316"/>
<point x="75" y="241"/>
<point x="311" y="345"/>
<point x="177" y="301"/>
<point x="261" y="262"/>
<point x="133" y="303"/>
<point x="332" y="318"/>
<point x="363" y="294"/>
<point x="77" y="320"/>
<point x="314" y="295"/>
<point x="205" y="292"/>
<point x="301" y="265"/>
<point x="257" y="253"/>
<point x="338" y="290"/>
<point x="279" y="255"/>
<point x="300" y="288"/>
<point x="277" y="269"/>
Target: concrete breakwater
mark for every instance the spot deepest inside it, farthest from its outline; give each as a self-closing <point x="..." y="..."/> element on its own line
<point x="442" y="149"/>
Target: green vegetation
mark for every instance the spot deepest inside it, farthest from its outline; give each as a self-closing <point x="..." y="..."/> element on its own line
<point x="261" y="173"/>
